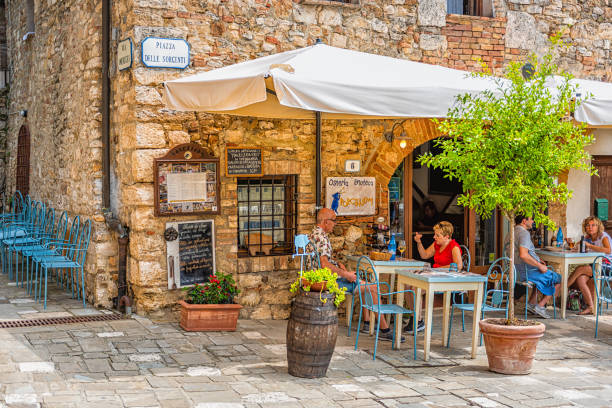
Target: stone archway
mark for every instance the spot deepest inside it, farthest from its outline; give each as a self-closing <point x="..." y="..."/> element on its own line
<point x="388" y="156"/>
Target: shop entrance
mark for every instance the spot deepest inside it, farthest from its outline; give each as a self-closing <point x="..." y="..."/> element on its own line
<point x="420" y="197"/>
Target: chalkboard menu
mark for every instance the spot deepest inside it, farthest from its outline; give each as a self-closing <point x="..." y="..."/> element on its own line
<point x="191" y="255"/>
<point x="242" y="161"/>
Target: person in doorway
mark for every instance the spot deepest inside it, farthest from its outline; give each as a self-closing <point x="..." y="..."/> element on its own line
<point x="430" y="217"/>
<point x="531" y="268"/>
<point x="596" y="240"/>
<point x="445" y="251"/>
<point x="326" y="220"/>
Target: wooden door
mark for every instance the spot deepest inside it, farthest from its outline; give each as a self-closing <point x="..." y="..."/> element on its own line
<point x="23" y="161"/>
<point x="601" y="187"/>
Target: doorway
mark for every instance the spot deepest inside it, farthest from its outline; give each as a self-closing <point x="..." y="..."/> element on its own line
<point x="428" y="197"/>
<point x="419" y="198"/>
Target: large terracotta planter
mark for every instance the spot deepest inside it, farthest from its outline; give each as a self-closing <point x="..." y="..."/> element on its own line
<point x="510" y="349"/>
<point x="209" y="317"/>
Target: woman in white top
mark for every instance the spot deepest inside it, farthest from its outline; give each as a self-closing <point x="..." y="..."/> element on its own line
<point x="596" y="240"/>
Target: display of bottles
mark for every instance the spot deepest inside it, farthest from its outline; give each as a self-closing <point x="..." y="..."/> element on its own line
<point x="392" y="247"/>
<point x="582" y="245"/>
<point x="560" y="237"/>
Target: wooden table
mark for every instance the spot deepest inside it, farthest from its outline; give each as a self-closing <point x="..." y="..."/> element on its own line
<point x="565" y="259"/>
<point x="440" y="280"/>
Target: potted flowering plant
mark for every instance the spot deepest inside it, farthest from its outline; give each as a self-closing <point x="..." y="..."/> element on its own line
<point x="210" y="306"/>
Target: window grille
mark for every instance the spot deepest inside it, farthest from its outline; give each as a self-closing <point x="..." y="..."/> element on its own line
<point x="267" y="215"/>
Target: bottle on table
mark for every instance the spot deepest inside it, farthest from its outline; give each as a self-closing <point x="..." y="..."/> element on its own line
<point x="392" y="247"/>
<point x="560" y="237"/>
<point x="582" y="245"/>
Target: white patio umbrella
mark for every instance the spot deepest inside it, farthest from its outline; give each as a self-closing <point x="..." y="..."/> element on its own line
<point x="340" y="83"/>
<point x="324" y="82"/>
<point x="595" y="108"/>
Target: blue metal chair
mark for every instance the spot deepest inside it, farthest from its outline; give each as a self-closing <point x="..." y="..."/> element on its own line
<point x="366" y="276"/>
<point x="44" y="230"/>
<point x="58" y="235"/>
<point x="602" y="278"/>
<point x="495" y="300"/>
<point x="72" y="260"/>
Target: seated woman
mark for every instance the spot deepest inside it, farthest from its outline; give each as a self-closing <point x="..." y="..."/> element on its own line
<point x="445" y="250"/>
<point x="596" y="240"/>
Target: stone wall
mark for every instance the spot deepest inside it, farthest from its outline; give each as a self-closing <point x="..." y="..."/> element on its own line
<point x="57" y="77"/>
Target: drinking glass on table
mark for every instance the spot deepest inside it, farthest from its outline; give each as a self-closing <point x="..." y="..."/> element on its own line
<point x="401" y="246"/>
<point x="570" y="243"/>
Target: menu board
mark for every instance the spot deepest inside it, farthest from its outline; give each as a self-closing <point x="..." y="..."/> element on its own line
<point x="186" y="182"/>
<point x="191" y="256"/>
<point x="241" y="161"/>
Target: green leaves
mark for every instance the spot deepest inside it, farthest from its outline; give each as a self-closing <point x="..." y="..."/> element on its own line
<point x="509" y="146"/>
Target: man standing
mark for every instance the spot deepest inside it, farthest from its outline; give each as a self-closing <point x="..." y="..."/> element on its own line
<point x="531" y="269"/>
<point x="326" y="220"/>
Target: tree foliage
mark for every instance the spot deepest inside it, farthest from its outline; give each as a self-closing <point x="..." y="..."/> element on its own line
<point x="507" y="146"/>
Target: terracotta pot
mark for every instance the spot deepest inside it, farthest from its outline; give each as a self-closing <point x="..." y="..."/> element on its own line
<point x="510" y="349"/>
<point x="209" y="317"/>
<point x="315" y="287"/>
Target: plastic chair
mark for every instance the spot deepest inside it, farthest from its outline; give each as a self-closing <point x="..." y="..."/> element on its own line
<point x="602" y="278"/>
<point x="300" y="242"/>
<point x="495" y="300"/>
<point x="366" y="276"/>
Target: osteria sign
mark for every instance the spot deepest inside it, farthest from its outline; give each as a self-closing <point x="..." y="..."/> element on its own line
<point x="165" y="53"/>
<point x="351" y="195"/>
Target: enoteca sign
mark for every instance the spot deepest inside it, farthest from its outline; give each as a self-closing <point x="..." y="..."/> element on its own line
<point x="351" y="195"/>
<point x="165" y="53"/>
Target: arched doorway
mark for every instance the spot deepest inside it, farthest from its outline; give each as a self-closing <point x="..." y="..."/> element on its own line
<point x="23" y="161"/>
<point x="419" y="197"/>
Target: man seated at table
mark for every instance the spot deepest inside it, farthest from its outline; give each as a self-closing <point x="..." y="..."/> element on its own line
<point x="326" y="220"/>
<point x="531" y="268"/>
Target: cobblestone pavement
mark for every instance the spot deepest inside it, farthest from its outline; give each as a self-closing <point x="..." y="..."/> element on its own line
<point x="138" y="362"/>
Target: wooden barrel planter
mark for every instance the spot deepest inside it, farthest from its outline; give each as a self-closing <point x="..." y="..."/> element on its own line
<point x="311" y="334"/>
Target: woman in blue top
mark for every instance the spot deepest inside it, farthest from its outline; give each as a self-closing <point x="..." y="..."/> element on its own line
<point x="596" y="240"/>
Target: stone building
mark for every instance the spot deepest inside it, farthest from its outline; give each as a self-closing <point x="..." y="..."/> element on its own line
<point x="85" y="116"/>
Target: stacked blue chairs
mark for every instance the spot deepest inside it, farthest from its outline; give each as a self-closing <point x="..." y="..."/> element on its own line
<point x="56" y="234"/>
<point x="41" y="231"/>
<point x="602" y="278"/>
<point x="32" y="221"/>
<point x="17" y="213"/>
<point x="495" y="300"/>
<point x="367" y="275"/>
<point x="71" y="260"/>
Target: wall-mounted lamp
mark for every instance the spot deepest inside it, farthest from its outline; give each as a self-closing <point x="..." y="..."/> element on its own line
<point x="403" y="138"/>
<point x="23" y="113"/>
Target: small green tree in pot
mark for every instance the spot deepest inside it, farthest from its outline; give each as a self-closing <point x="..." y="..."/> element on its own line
<point x="507" y="148"/>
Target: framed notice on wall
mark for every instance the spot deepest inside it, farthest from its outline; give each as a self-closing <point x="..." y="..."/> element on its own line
<point x="186" y="182"/>
<point x="191" y="252"/>
<point x="243" y="162"/>
<point x="351" y="195"/>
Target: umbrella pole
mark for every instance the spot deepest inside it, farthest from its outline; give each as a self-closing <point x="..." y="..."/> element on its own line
<point x="318" y="162"/>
